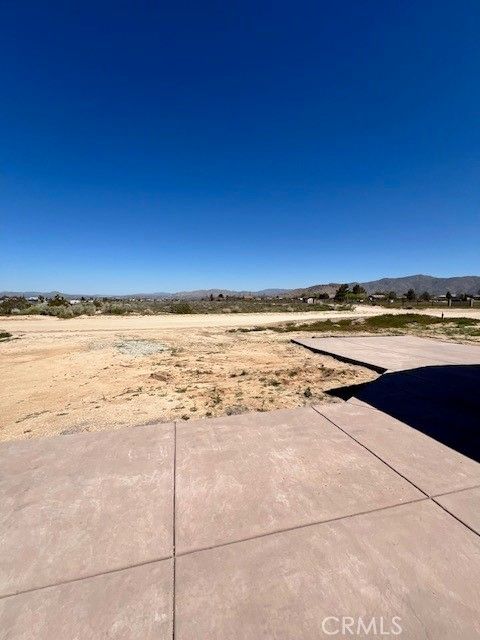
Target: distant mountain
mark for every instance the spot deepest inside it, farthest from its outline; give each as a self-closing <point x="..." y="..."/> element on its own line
<point x="315" y="289"/>
<point x="31" y="294"/>
<point x="420" y="283"/>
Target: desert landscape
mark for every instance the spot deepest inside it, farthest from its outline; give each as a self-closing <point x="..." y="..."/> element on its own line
<point x="107" y="372"/>
<point x="90" y="374"/>
<point x="239" y="321"/>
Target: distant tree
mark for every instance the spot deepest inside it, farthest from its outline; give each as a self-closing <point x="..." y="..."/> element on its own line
<point x="341" y="293"/>
<point x="211" y="297"/>
<point x="15" y="302"/>
<point x="425" y="296"/>
<point x="58" y="301"/>
<point x="392" y="295"/>
<point x="221" y="296"/>
<point x="411" y="295"/>
<point x="323" y="296"/>
<point x="358" y="290"/>
<point x="448" y="296"/>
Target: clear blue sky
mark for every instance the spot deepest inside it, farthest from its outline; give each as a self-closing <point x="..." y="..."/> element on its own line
<point x="158" y="146"/>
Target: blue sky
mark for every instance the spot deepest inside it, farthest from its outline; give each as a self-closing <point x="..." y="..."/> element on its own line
<point x="159" y="146"/>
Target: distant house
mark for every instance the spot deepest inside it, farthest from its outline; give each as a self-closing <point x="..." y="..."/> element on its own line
<point x="74" y="301"/>
<point x="33" y="299"/>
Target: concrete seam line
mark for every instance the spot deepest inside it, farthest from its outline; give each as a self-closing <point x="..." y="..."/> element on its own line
<point x="301" y="526"/>
<point x="209" y="548"/>
<point x="467" y="526"/>
<point x="449" y="493"/>
<point x="373" y="453"/>
<point x="89" y="577"/>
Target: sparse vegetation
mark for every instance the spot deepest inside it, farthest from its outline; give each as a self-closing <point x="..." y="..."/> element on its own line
<point x="182" y="307"/>
<point x="10" y="306"/>
<point x="307" y="301"/>
<point x="61" y="307"/>
<point x="274" y="383"/>
<point x="4" y="335"/>
<point x="378" y="324"/>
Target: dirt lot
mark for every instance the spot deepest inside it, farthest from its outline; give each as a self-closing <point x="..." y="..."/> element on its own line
<point x="87" y="374"/>
<point x="102" y="373"/>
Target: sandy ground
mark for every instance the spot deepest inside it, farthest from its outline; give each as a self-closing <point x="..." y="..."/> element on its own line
<point x="89" y="374"/>
<point x="93" y="373"/>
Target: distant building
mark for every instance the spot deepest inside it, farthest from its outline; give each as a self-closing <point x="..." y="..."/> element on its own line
<point x="74" y="301"/>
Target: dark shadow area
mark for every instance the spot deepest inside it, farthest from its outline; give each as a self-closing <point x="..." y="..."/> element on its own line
<point x="441" y="401"/>
<point x="345" y="393"/>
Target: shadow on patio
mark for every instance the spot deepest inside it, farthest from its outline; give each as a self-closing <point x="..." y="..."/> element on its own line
<point x="441" y="401"/>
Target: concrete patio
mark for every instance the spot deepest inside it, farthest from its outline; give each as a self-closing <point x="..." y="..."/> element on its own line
<point x="268" y="525"/>
<point x="394" y="353"/>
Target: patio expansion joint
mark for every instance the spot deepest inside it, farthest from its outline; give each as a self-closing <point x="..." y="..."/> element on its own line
<point x="209" y="548"/>
<point x="300" y="526"/>
<point x="59" y="583"/>
<point x="372" y="453"/>
<point x="449" y="493"/>
<point x="467" y="526"/>
<point x="427" y="496"/>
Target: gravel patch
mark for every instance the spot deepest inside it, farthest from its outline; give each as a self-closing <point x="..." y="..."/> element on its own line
<point x="137" y="348"/>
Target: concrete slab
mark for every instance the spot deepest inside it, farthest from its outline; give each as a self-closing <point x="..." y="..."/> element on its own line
<point x="75" y="506"/>
<point x="348" y="352"/>
<point x="427" y="348"/>
<point x="441" y="402"/>
<point x="464" y="505"/>
<point x="429" y="464"/>
<point x="248" y="475"/>
<point x="413" y="561"/>
<point x="394" y="353"/>
<point x="125" y="605"/>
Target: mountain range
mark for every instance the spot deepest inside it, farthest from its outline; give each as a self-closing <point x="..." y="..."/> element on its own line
<point x="419" y="283"/>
